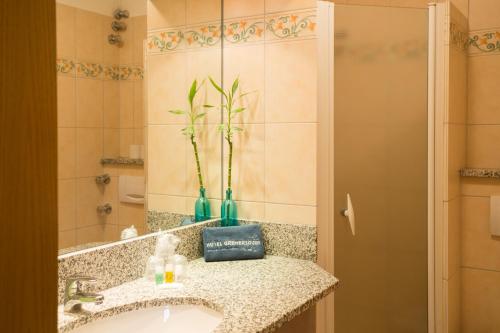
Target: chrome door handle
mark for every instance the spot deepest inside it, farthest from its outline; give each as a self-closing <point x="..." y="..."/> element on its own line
<point x="349" y="213"/>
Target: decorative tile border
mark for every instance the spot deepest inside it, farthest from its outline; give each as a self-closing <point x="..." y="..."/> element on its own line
<point x="480" y="172"/>
<point x="99" y="71"/>
<point x="280" y="26"/>
<point x="484" y="42"/>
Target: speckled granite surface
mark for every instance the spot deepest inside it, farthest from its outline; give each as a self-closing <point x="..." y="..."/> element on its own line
<point x="480" y="172"/>
<point x="122" y="160"/>
<point x="252" y="295"/>
<point x="80" y="247"/>
<point x="163" y="220"/>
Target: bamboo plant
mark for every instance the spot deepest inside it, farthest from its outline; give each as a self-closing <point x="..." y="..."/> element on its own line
<point x="193" y="115"/>
<point x="228" y="209"/>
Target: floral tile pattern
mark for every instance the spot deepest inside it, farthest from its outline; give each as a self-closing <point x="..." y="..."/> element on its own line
<point x="482" y="42"/>
<point x="280" y="26"/>
<point x="99" y="71"/>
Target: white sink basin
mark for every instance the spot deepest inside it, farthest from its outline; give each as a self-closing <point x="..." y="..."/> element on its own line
<point x="164" y="319"/>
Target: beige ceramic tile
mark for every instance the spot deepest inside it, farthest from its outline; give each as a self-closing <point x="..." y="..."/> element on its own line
<point x="203" y="11"/>
<point x="89" y="103"/>
<point x="111" y="233"/>
<point x="480" y="187"/>
<point x="89" y="149"/>
<point x="461" y="5"/>
<point x="167" y="88"/>
<point x="480" y="249"/>
<point x="484" y="84"/>
<point x="166" y="160"/>
<point x="66" y="152"/>
<point x="127" y="49"/>
<point x="290" y="164"/>
<point x="483" y="150"/>
<point x="126" y="105"/>
<point x="480" y="301"/>
<point x="167" y="203"/>
<point x="456" y="158"/>
<point x="88" y="196"/>
<point x="110" y="52"/>
<point x="292" y="214"/>
<point x="131" y="214"/>
<point x="166" y="13"/>
<point x="90" y="234"/>
<point x="65" y="101"/>
<point x="65" y="24"/>
<point x="140" y="33"/>
<point x="215" y="205"/>
<point x="126" y="139"/>
<point x="111" y="103"/>
<point x="284" y="5"/>
<point x="200" y="66"/>
<point x="248" y="178"/>
<point x="291" y="82"/>
<point x="111" y="144"/>
<point x="110" y="195"/>
<point x="453" y="237"/>
<point x="458" y="87"/>
<point x="243" y="8"/>
<point x="67" y="238"/>
<point x="250" y="210"/>
<point x="138" y="138"/>
<point x="66" y="204"/>
<point x="252" y="79"/>
<point x="409" y="3"/>
<point x="483" y="14"/>
<point x="89" y="34"/>
<point x="453" y="290"/>
<point x="138" y="105"/>
<point x="131" y="170"/>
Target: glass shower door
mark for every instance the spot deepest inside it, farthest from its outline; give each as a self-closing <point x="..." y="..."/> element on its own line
<point x="380" y="160"/>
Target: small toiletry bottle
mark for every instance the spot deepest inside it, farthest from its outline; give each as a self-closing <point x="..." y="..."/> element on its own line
<point x="169" y="273"/>
<point x="159" y="274"/>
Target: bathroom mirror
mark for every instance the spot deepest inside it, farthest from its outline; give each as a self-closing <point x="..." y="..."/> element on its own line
<point x="105" y="132"/>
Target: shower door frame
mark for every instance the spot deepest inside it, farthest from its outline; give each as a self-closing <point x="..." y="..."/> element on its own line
<point x="325" y="173"/>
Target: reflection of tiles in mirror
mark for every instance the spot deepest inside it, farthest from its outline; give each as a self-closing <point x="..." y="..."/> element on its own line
<point x="164" y="220"/>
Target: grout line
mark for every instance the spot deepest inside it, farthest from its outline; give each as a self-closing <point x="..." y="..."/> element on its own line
<point x="480" y="269"/>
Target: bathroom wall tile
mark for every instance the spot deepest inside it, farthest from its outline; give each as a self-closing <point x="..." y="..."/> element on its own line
<point x="89" y="34"/>
<point x="484" y="84"/>
<point x="215" y="205"/>
<point x="457" y="111"/>
<point x="66" y="204"/>
<point x="111" y="104"/>
<point x="110" y="52"/>
<point x="67" y="238"/>
<point x="480" y="301"/>
<point x="66" y="113"/>
<point x="252" y="79"/>
<point x="65" y="19"/>
<point x="128" y="47"/>
<point x="110" y="195"/>
<point x="456" y="158"/>
<point x="209" y="150"/>
<point x="131" y="214"/>
<point x="291" y="25"/>
<point x="66" y="163"/>
<point x="138" y="105"/>
<point x="483" y="150"/>
<point x="89" y="103"/>
<point x="140" y="34"/>
<point x="131" y="170"/>
<point x="483" y="14"/>
<point x="198" y="11"/>
<point x="290" y="164"/>
<point x="168" y="203"/>
<point x="480" y="249"/>
<point x="138" y="136"/>
<point x="166" y="13"/>
<point x="453" y="221"/>
<point x="111" y="233"/>
<point x="453" y="290"/>
<point x="284" y="5"/>
<point x="89" y="196"/>
<point x="479" y="187"/>
<point x="292" y="214"/>
<point x="126" y="139"/>
<point x="111" y="142"/>
<point x="90" y="234"/>
<point x="251" y="210"/>
<point x="291" y="82"/>
<point x="163" y="94"/>
<point x="126" y="104"/>
<point x="461" y="5"/>
<point x="410" y="3"/>
<point x="248" y="175"/>
<point x="243" y="8"/>
<point x="166" y="160"/>
<point x="89" y="149"/>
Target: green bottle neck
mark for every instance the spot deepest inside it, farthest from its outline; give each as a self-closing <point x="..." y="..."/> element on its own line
<point x="229" y="194"/>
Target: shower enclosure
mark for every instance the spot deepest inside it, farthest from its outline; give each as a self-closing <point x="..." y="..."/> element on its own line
<point x="378" y="141"/>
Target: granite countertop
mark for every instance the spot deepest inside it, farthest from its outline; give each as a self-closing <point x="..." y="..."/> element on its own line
<point x="252" y="295"/>
<point x="480" y="172"/>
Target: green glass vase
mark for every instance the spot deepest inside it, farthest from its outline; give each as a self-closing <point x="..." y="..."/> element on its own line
<point x="202" y="207"/>
<point x="229" y="213"/>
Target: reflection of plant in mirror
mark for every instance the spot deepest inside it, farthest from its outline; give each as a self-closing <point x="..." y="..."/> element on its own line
<point x="193" y="114"/>
<point x="228" y="210"/>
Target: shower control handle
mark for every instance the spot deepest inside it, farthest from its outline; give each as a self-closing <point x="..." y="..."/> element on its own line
<point x="349" y="214"/>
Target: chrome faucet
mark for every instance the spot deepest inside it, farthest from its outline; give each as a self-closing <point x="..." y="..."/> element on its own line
<point x="74" y="297"/>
